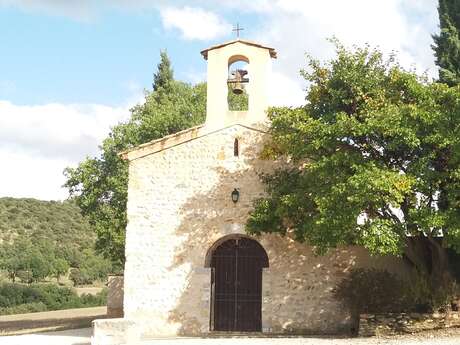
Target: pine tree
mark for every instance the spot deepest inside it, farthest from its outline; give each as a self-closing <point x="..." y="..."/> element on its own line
<point x="447" y="43"/>
<point x="164" y="75"/>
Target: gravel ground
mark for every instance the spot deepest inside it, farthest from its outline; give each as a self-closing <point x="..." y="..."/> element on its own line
<point x="70" y="337"/>
<point x="82" y="337"/>
<point x="49" y="321"/>
<point x="55" y="314"/>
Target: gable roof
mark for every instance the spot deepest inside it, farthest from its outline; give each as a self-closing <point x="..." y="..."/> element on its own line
<point x="172" y="140"/>
<point x="272" y="51"/>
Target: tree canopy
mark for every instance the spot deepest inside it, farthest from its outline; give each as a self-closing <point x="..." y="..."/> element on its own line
<point x="40" y="239"/>
<point x="447" y="42"/>
<point x="99" y="185"/>
<point x="368" y="155"/>
<point x="164" y="74"/>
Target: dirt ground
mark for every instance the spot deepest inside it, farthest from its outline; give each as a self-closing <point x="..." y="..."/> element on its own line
<point x="50" y="320"/>
<point x="83" y="337"/>
<point x="88" y="290"/>
<point x="69" y="337"/>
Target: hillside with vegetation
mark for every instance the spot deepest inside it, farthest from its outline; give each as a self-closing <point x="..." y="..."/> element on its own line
<point x="52" y="220"/>
<point x="42" y="240"/>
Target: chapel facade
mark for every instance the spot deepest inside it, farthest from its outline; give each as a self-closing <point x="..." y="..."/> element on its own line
<point x="191" y="269"/>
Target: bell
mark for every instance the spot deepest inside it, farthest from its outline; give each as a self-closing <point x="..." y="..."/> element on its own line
<point x="237" y="88"/>
<point x="236" y="83"/>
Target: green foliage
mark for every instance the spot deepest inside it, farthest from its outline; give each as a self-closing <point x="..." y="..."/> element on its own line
<point x="34" y="262"/>
<point x="99" y="184"/>
<point x="60" y="267"/>
<point x="368" y="154"/>
<point x="41" y="239"/>
<point x="56" y="222"/>
<point x="77" y="277"/>
<point x="17" y="298"/>
<point x="92" y="268"/>
<point x="89" y="300"/>
<point x="237" y="102"/>
<point x="447" y="43"/>
<point x="37" y="263"/>
<point x="164" y="74"/>
<point x="34" y="307"/>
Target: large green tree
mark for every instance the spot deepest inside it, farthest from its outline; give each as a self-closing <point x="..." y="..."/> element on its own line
<point x="99" y="184"/>
<point x="34" y="260"/>
<point x="447" y="42"/>
<point x="368" y="155"/>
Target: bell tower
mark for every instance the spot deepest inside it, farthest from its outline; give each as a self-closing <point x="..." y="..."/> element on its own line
<point x="251" y="81"/>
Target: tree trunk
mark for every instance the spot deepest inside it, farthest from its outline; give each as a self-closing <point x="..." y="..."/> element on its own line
<point x="440" y="275"/>
<point x="430" y="261"/>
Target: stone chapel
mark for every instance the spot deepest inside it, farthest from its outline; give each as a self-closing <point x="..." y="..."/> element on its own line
<point x="190" y="267"/>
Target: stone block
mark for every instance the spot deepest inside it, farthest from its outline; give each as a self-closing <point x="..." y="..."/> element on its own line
<point x="115" y="297"/>
<point x="115" y="332"/>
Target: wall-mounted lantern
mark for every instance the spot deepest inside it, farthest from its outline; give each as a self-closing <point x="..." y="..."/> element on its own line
<point x="235" y="195"/>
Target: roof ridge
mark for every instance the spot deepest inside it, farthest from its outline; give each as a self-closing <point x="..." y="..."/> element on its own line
<point x="271" y="50"/>
<point x="154" y="141"/>
<point x="125" y="154"/>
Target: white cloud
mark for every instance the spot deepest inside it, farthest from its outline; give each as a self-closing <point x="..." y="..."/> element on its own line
<point x="25" y="175"/>
<point x="285" y="91"/>
<point x="38" y="142"/>
<point x="195" y="23"/>
<point x="297" y="27"/>
<point x="291" y="26"/>
<point x="75" y="9"/>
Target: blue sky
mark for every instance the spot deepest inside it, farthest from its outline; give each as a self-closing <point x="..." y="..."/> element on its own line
<point x="69" y="70"/>
<point x="105" y="59"/>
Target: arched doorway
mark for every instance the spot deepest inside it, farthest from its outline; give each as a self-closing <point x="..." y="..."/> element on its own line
<point x="236" y="281"/>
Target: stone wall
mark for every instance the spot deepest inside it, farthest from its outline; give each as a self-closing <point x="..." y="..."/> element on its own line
<point x="397" y="323"/>
<point x="179" y="205"/>
<point x="115" y="296"/>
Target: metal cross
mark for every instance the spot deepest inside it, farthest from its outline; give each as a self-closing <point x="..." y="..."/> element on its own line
<point x="237" y="29"/>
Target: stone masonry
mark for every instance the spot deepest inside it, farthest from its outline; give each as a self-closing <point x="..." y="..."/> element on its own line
<point x="179" y="206"/>
<point x="115" y="296"/>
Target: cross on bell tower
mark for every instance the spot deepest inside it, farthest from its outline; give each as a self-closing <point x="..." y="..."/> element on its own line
<point x="237" y="30"/>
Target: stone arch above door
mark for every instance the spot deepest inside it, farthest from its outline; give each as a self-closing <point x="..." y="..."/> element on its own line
<point x="213" y="247"/>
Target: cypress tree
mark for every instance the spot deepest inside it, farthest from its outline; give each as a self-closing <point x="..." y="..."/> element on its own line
<point x="164" y="74"/>
<point x="447" y="42"/>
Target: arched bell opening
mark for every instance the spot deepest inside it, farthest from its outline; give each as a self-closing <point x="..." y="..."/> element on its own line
<point x="237" y="83"/>
<point x="237" y="264"/>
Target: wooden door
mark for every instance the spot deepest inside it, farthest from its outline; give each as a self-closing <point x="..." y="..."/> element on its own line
<point x="237" y="291"/>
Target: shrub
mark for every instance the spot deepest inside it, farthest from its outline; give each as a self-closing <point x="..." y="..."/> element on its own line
<point x="372" y="290"/>
<point x="95" y="300"/>
<point x="18" y="298"/>
<point x="79" y="277"/>
<point x="24" y="308"/>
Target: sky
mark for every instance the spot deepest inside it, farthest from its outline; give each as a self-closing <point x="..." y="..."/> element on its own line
<point x="70" y="70"/>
